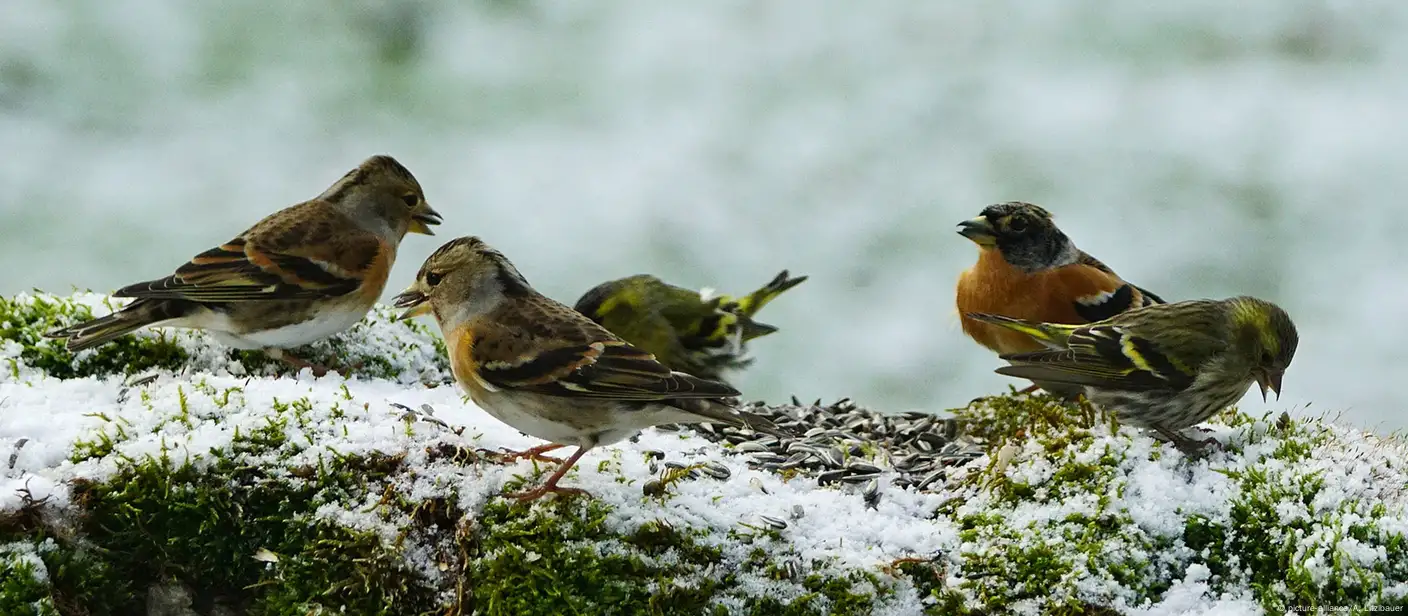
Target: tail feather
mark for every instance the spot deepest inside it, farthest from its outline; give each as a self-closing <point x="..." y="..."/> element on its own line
<point x="715" y="411"/>
<point x="753" y="302"/>
<point x="1050" y="334"/>
<point x="133" y="317"/>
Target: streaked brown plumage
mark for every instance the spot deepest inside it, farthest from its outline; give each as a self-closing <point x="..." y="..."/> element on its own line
<point x="303" y="273"/>
<point x="546" y="369"/>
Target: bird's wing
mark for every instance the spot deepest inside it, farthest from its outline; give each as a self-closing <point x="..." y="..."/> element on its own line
<point x="535" y="344"/>
<point x="1106" y="357"/>
<point x="307" y="251"/>
<point x="1098" y="293"/>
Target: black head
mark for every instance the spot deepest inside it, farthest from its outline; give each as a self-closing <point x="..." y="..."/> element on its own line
<point x="1023" y="233"/>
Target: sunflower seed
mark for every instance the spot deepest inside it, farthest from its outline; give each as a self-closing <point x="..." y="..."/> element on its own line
<point x="773" y="523"/>
<point x="863" y="468"/>
<point x="859" y="478"/>
<point x="758" y="484"/>
<point x="750" y="446"/>
<point x="930" y="479"/>
<point x="871" y="493"/>
<point x="844" y="442"/>
<point x="717" y="471"/>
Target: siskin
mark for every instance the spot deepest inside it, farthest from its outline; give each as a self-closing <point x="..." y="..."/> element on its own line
<point x="1165" y="367"/>
<point x="686" y="330"/>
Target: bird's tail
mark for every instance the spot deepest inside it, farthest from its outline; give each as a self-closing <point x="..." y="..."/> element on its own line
<point x="132" y="317"/>
<point x="716" y="411"/>
<point x="1050" y="334"/>
<point x="750" y="304"/>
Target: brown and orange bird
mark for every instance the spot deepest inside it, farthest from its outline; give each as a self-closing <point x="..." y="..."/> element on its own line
<point x="1028" y="269"/>
<point x="301" y="274"/>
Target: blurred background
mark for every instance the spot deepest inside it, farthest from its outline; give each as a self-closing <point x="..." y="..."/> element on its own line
<point x="1202" y="148"/>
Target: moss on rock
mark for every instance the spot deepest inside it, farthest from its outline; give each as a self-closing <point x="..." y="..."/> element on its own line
<point x="289" y="496"/>
<point x="378" y="347"/>
<point x="276" y="523"/>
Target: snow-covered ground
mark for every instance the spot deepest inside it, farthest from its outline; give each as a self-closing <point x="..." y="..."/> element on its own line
<point x="1094" y="517"/>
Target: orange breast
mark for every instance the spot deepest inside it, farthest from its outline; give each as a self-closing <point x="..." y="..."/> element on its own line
<point x="995" y="287"/>
<point x="460" y="345"/>
<point x="377" y="273"/>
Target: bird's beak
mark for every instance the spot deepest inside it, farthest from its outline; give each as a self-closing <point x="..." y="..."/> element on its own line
<point x="1269" y="380"/>
<point x="414" y="302"/>
<point x="979" y="230"/>
<point x="422" y="218"/>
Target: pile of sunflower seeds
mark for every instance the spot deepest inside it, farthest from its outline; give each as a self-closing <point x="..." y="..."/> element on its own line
<point x="843" y="443"/>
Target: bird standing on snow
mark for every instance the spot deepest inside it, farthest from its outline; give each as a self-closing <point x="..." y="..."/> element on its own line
<point x="1165" y="367"/>
<point x="546" y="369"/>
<point x="303" y="273"/>
<point x="1028" y="269"/>
<point x="685" y="330"/>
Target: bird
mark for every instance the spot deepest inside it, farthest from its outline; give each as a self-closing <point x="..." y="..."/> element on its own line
<point x="546" y="369"/>
<point x="1164" y="367"/>
<point x="690" y="331"/>
<point x="1029" y="269"/>
<point x="301" y="274"/>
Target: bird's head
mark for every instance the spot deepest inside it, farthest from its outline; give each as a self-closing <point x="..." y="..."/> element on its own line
<point x="1023" y="234"/>
<point x="464" y="278"/>
<point x="1266" y="340"/>
<point x="384" y="193"/>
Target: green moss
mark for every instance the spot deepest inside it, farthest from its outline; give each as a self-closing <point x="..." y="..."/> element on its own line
<point x="24" y="588"/>
<point x="200" y="521"/>
<point x="1276" y="523"/>
<point x="562" y="559"/>
<point x="377" y="347"/>
<point x="25" y="320"/>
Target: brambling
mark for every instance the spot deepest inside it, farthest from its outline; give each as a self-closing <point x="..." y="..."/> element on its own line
<point x="1165" y="367"/>
<point x="686" y="330"/>
<point x="1028" y="269"/>
<point x="546" y="369"/>
<point x="301" y="274"/>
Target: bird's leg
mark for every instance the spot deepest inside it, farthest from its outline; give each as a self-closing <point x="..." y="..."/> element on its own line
<point x="532" y="453"/>
<point x="550" y="486"/>
<point x="1189" y="447"/>
<point x="1030" y="389"/>
<point x="319" y="370"/>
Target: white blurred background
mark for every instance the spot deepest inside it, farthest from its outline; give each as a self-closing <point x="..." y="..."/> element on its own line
<point x="1202" y="148"/>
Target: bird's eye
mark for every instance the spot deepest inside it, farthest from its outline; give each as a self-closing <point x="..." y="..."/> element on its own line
<point x="1266" y="358"/>
<point x="1017" y="225"/>
<point x="432" y="278"/>
<point x="411" y="199"/>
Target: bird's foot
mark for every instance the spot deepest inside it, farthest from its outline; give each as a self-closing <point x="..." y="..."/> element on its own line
<point x="544" y="490"/>
<point x="532" y="453"/>
<point x="319" y="370"/>
<point x="1191" y="447"/>
<point x="298" y="364"/>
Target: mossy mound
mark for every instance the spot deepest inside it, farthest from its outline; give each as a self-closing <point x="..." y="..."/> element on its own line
<point x="211" y="492"/>
<point x="323" y="504"/>
<point x="1070" y="515"/>
<point x="378" y="347"/>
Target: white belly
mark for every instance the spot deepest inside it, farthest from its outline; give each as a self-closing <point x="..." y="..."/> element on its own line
<point x="568" y="422"/>
<point x="525" y="415"/>
<point x="325" y="324"/>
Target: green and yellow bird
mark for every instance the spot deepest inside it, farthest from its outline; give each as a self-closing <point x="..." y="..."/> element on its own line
<point x="1164" y="367"/>
<point x="688" y="331"/>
